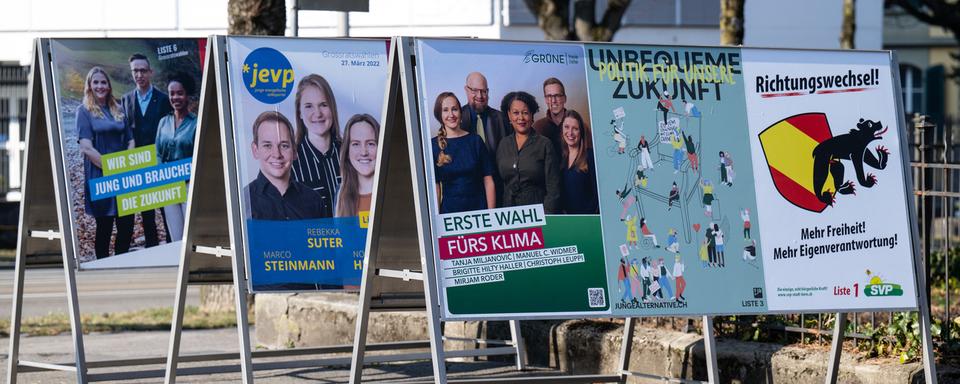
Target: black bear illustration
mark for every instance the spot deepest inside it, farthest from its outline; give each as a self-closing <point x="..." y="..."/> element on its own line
<point x="851" y="146"/>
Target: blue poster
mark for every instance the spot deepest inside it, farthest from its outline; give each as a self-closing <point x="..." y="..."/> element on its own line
<point x="307" y="127"/>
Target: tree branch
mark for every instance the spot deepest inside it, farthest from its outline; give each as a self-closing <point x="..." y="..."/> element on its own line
<point x="552" y="16"/>
<point x="612" y="20"/>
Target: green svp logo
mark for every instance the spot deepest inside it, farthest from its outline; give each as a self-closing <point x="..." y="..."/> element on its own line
<point x="267" y="75"/>
<point x="877" y="287"/>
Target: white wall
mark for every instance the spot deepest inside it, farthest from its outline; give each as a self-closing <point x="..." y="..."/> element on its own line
<point x="779" y="23"/>
<point x="810" y="24"/>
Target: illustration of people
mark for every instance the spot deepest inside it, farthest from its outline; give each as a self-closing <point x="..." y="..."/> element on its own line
<point x="711" y="246"/>
<point x="719" y="240"/>
<point x="631" y="223"/>
<point x="550" y="125"/>
<point x="143" y="107"/>
<point x="645" y="161"/>
<point x="665" y="278"/>
<point x="626" y="199"/>
<point x="665" y="105"/>
<point x="641" y="179"/>
<point x="690" y="109"/>
<point x="726" y="168"/>
<point x="672" y="244"/>
<point x="635" y="280"/>
<point x="678" y="268"/>
<point x="704" y="259"/>
<point x="677" y="145"/>
<point x="620" y="138"/>
<point x="745" y="216"/>
<point x="691" y="151"/>
<point x="273" y="195"/>
<point x="647" y="233"/>
<point x="707" y="188"/>
<point x="656" y="289"/>
<point x="645" y="278"/>
<point x="623" y="280"/>
<point x="674" y="195"/>
<point x="750" y="251"/>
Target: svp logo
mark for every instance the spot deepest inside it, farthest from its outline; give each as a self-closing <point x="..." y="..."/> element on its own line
<point x="878" y="287"/>
<point x="268" y="75"/>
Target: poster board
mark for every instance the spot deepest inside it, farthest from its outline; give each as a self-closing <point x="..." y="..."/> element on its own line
<point x="540" y="254"/>
<point x="126" y="153"/>
<point x="306" y="120"/>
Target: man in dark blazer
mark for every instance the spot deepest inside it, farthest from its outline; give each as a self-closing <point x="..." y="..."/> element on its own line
<point x="143" y="108"/>
<point x="477" y="111"/>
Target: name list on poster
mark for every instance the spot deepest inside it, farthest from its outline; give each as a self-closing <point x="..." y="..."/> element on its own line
<point x="480" y="246"/>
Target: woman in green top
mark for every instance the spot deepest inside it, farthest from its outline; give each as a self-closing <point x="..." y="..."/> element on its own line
<point x="175" y="137"/>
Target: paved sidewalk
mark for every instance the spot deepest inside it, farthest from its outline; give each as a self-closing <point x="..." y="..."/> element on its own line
<point x="58" y="349"/>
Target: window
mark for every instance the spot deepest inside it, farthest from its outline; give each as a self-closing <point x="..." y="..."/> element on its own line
<point x="911" y="78"/>
<point x="639" y="13"/>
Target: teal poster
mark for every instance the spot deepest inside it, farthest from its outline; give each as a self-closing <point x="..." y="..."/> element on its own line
<point x="677" y="198"/>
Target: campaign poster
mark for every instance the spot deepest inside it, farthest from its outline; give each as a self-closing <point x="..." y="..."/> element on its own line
<point x="508" y="154"/>
<point x="677" y="198"/>
<point x="826" y="143"/>
<point x="306" y="124"/>
<point x="127" y="117"/>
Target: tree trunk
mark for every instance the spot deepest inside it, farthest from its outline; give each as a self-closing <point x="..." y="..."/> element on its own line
<point x="731" y="22"/>
<point x="257" y="17"/>
<point x="849" y="29"/>
<point x="553" y="18"/>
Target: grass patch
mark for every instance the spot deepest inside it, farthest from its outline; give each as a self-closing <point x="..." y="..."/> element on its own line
<point x="153" y="319"/>
<point x="7" y="254"/>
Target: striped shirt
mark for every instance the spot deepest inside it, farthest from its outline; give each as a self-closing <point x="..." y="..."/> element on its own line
<point x="319" y="171"/>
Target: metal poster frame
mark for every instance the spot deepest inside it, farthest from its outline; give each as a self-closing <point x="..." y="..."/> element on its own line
<point x="44" y="217"/>
<point x="423" y="223"/>
<point x="213" y="202"/>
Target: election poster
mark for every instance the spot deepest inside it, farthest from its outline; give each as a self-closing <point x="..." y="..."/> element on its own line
<point x="306" y="124"/>
<point x="509" y="158"/>
<point x="127" y="114"/>
<point x="593" y="180"/>
<point x="827" y="154"/>
<point x="677" y="196"/>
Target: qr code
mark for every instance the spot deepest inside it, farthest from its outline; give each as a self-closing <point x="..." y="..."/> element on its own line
<point x="596" y="298"/>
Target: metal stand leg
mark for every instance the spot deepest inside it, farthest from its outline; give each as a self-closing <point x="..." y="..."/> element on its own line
<point x="929" y="365"/>
<point x="243" y="325"/>
<point x="710" y="351"/>
<point x="173" y="353"/>
<point x="518" y="343"/>
<point x="76" y="328"/>
<point x="16" y="313"/>
<point x="626" y="347"/>
<point x="833" y="369"/>
<point x="363" y="318"/>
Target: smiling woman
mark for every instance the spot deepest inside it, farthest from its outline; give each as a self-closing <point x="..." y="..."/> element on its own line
<point x="358" y="159"/>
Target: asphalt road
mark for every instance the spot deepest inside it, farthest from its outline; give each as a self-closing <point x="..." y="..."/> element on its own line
<point x="99" y="291"/>
<point x="100" y="347"/>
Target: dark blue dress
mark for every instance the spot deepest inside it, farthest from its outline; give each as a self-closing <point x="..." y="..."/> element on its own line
<point x="108" y="135"/>
<point x="579" y="194"/>
<point x="461" y="180"/>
